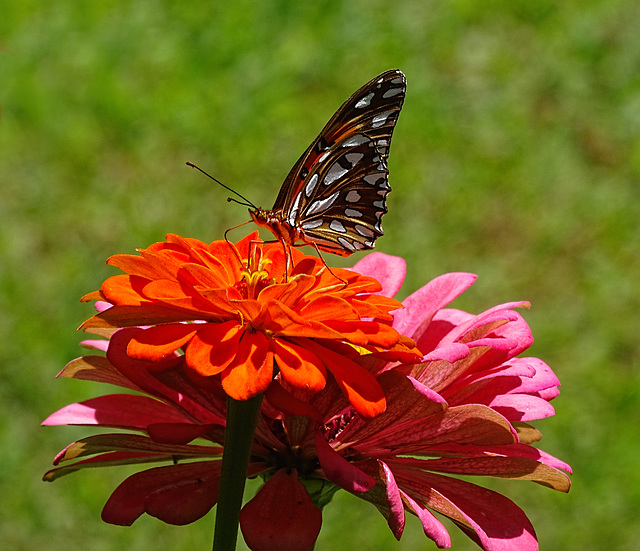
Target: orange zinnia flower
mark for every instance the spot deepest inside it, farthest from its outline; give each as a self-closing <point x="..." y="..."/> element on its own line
<point x="237" y="313"/>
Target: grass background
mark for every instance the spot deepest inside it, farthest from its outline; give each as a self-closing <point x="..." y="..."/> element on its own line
<point x="516" y="157"/>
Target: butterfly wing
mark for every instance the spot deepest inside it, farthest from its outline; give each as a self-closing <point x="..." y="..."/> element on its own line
<point x="335" y="195"/>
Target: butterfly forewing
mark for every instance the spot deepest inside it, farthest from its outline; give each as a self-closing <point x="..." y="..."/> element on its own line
<point x="335" y="195"/>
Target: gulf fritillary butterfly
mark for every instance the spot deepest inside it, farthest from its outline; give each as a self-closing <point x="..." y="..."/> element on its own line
<point x="335" y="195"/>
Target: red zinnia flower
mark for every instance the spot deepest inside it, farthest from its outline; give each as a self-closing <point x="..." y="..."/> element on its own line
<point x="237" y="313"/>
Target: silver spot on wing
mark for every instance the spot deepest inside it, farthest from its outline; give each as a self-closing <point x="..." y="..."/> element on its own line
<point x="365" y="101"/>
<point x="312" y="224"/>
<point x="352" y="197"/>
<point x="336" y="225"/>
<point x="335" y="172"/>
<point x="322" y="204"/>
<point x="311" y="185"/>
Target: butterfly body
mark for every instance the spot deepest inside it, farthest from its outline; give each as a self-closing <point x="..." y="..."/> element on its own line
<point x="276" y="224"/>
<point x="335" y="195"/>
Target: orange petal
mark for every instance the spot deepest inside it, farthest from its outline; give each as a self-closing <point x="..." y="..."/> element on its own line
<point x="300" y="367"/>
<point x="359" y="386"/>
<point x="134" y="265"/>
<point x="214" y="347"/>
<point x="329" y="307"/>
<point x="124" y="289"/>
<point x="251" y="370"/>
<point x="156" y="343"/>
<point x="95" y="295"/>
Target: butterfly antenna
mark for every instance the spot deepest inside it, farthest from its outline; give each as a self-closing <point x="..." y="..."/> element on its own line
<point x="246" y="203"/>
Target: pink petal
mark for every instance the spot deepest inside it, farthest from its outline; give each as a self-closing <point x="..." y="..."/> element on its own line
<point x="389" y="270"/>
<point x="281" y="517"/>
<point x="490" y="519"/>
<point x="432" y="527"/>
<point x="420" y="307"/>
<point x="396" y="518"/>
<point x="340" y="471"/>
<point x="116" y="410"/>
<point x="522" y="407"/>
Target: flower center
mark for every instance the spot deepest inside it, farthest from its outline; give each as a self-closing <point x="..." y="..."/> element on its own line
<point x="255" y="276"/>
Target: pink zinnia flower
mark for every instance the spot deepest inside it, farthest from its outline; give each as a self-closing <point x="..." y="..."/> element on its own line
<point x="468" y="420"/>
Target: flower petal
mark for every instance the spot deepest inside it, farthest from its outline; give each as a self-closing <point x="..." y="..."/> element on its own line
<point x="360" y="387"/>
<point x="214" y="347"/>
<point x="339" y="470"/>
<point x="288" y="404"/>
<point x="389" y="270"/>
<point x="281" y="517"/>
<point x="300" y="367"/>
<point x="156" y="343"/>
<point x="490" y="519"/>
<point x="420" y="307"/>
<point x="127" y="411"/>
<point x="251" y="371"/>
<point x="157" y="491"/>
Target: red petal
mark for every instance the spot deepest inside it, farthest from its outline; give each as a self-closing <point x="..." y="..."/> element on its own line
<point x="176" y="494"/>
<point x="281" y="517"/>
<point x="288" y="404"/>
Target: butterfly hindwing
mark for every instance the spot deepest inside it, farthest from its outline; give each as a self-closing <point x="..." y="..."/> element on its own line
<point x="336" y="192"/>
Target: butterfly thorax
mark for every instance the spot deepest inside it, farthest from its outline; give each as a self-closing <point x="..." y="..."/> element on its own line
<point x="274" y="221"/>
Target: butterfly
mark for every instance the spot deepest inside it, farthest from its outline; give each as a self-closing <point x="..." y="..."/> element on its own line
<point x="334" y="197"/>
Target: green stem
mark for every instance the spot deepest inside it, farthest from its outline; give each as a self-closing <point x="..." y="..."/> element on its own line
<point x="242" y="417"/>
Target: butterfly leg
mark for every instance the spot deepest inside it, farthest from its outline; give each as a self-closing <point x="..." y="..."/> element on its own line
<point x="325" y="263"/>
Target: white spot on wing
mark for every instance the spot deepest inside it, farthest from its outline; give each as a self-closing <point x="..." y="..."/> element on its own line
<point x="336" y="225"/>
<point x="365" y="101"/>
<point x="323" y="156"/>
<point x="312" y="224"/>
<point x="392" y="92"/>
<point x="346" y="244"/>
<point x="352" y="213"/>
<point x="363" y="231"/>
<point x="311" y="185"/>
<point x="353" y="158"/>
<point x="322" y="204"/>
<point x="380" y="119"/>
<point x="335" y="172"/>
<point x="374" y="179"/>
<point x="358" y="139"/>
<point x="294" y="210"/>
<point x="352" y="197"/>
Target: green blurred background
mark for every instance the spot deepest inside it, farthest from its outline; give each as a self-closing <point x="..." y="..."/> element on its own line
<point x="516" y="157"/>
